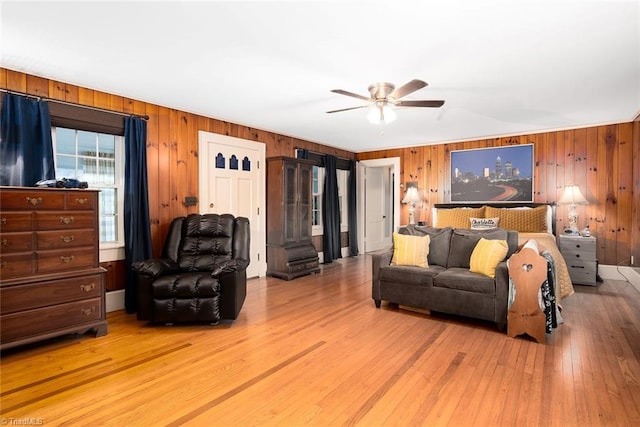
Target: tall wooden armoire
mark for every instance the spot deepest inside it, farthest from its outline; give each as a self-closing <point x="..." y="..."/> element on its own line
<point x="290" y="252"/>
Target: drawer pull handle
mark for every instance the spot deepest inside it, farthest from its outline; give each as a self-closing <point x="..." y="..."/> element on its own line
<point x="4" y="242"/>
<point x="67" y="239"/>
<point x="34" y="201"/>
<point x="87" y="311"/>
<point x="88" y="288"/>
<point x="3" y="264"/>
<point x="577" y="266"/>
<point x="67" y="259"/>
<point x="4" y="220"/>
<point x="82" y="201"/>
<point x="66" y="219"/>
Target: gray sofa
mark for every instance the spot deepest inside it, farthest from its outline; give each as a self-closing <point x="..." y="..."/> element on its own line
<point x="447" y="285"/>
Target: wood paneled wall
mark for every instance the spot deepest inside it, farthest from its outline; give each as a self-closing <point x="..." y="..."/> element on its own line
<point x="602" y="160"/>
<point x="172" y="143"/>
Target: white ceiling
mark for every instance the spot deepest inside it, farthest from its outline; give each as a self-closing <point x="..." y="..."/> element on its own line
<point x="503" y="67"/>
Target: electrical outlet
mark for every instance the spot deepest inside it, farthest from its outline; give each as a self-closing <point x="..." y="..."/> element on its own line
<point x="190" y="201"/>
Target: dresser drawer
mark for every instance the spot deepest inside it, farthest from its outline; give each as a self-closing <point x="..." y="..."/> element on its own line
<point x="15" y="265"/>
<point x="79" y="200"/>
<point x="20" y="297"/>
<point x="16" y="221"/>
<point x="573" y="255"/>
<point x="582" y="273"/>
<point x="65" y="238"/>
<point x="66" y="259"/>
<point x="577" y="244"/>
<point x="16" y="242"/>
<point x="64" y="220"/>
<point x="48" y="319"/>
<point x="32" y="199"/>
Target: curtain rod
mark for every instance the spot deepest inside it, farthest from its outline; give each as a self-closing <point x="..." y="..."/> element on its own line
<point x="75" y="104"/>
<point x="322" y="154"/>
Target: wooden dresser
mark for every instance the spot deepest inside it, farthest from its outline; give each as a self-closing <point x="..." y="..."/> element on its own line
<point x="50" y="281"/>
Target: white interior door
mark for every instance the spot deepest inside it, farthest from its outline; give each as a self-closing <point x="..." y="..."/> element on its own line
<point x="378" y="228"/>
<point x="232" y="180"/>
<point x="377" y="197"/>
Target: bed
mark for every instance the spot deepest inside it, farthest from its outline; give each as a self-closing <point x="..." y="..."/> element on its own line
<point x="532" y="221"/>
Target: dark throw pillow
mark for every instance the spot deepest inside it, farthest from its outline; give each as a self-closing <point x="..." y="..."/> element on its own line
<point x="440" y="241"/>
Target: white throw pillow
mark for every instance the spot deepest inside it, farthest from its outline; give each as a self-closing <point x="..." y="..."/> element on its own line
<point x="484" y="223"/>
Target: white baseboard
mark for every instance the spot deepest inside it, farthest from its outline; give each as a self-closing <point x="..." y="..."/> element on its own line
<point x="114" y="300"/>
<point x="616" y="273"/>
<point x="343" y="251"/>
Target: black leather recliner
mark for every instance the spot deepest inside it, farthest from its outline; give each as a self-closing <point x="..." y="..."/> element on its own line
<point x="201" y="276"/>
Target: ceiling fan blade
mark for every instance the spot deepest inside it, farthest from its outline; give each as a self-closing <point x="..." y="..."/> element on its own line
<point x="419" y="103"/>
<point x="408" y="88"/>
<point x="354" y="95"/>
<point x="347" y="109"/>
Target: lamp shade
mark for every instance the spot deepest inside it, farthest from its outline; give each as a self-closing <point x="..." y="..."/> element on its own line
<point x="412" y="196"/>
<point x="572" y="196"/>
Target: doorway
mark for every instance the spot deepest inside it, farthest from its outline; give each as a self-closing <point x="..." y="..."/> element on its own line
<point x="232" y="180"/>
<point x="378" y="203"/>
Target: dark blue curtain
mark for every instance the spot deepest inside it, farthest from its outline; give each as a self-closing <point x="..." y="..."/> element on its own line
<point x="137" y="226"/>
<point x="330" y="212"/>
<point x="26" y="148"/>
<point x="353" y="214"/>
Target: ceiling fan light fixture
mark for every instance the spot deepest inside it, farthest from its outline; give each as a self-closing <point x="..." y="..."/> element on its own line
<point x="381" y="113"/>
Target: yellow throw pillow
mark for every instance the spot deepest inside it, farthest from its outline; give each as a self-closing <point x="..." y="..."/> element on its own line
<point x="523" y="220"/>
<point x="410" y="250"/>
<point x="458" y="217"/>
<point x="487" y="255"/>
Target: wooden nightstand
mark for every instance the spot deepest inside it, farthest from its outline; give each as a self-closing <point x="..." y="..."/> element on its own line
<point x="580" y="254"/>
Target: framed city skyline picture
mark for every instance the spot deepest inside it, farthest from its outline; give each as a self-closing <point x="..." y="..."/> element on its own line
<point x="496" y="174"/>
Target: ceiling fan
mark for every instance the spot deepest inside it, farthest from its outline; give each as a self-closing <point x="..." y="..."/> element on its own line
<point x="383" y="96"/>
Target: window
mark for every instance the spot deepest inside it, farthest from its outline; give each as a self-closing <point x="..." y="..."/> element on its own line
<point x="316" y="207"/>
<point x="98" y="159"/>
<point x="317" y="188"/>
<point x="343" y="186"/>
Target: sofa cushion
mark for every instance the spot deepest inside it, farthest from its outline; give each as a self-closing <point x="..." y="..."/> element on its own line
<point x="409" y="275"/>
<point x="410" y="250"/>
<point x="463" y="242"/>
<point x="487" y="255"/>
<point x="463" y="280"/>
<point x="458" y="217"/>
<point x="439" y="245"/>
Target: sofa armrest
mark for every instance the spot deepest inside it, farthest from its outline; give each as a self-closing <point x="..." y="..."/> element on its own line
<point x="233" y="291"/>
<point x="502" y="295"/>
<point x="229" y="266"/>
<point x="145" y="273"/>
<point x="379" y="259"/>
<point x="154" y="268"/>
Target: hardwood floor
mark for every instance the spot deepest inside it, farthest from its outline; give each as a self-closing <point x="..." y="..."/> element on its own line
<point x="315" y="351"/>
